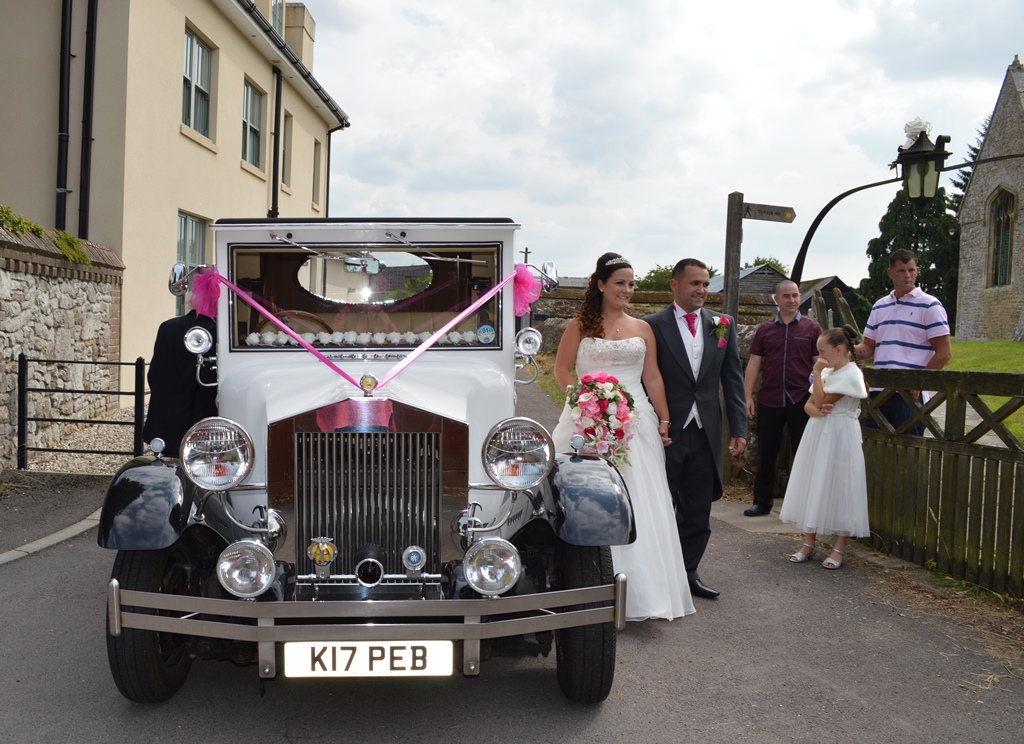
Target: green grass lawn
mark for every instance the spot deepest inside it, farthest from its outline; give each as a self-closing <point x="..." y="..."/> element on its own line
<point x="992" y="356"/>
<point x="546" y="380"/>
<point x="987" y="356"/>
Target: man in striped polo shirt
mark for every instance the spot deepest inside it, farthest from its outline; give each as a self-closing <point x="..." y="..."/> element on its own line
<point x="907" y="329"/>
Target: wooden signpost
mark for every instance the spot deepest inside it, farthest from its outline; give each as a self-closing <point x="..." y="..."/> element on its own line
<point x="768" y="212"/>
<point x="739" y="210"/>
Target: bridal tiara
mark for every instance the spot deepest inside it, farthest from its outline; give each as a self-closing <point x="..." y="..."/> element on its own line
<point x="617" y="261"/>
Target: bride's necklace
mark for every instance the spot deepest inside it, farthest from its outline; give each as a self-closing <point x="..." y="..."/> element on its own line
<point x="616" y="322"/>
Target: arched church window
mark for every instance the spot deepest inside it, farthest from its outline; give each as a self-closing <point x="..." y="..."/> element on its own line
<point x="1003" y="210"/>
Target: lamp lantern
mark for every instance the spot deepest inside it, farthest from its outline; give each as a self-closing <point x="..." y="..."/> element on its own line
<point x="922" y="163"/>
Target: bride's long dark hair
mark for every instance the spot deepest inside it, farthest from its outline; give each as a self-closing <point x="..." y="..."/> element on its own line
<point x="588" y="315"/>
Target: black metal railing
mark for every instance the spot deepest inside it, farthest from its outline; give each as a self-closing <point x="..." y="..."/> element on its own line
<point x="139" y="394"/>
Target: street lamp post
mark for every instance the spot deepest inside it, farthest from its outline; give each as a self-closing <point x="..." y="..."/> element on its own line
<point x="921" y="163"/>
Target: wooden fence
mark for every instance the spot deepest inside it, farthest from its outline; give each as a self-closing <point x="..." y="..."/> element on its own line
<point x="954" y="497"/>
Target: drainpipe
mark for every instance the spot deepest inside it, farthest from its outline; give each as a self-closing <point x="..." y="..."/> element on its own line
<point x="62" y="119"/>
<point x="330" y="149"/>
<point x="85" y="179"/>
<point x="275" y="187"/>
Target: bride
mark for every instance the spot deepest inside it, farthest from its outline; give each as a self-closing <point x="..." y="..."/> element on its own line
<point x="602" y="338"/>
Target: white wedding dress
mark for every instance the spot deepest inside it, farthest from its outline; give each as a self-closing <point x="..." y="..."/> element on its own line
<point x="657" y="586"/>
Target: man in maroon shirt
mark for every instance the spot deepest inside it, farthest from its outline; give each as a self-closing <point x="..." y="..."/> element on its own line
<point x="782" y="352"/>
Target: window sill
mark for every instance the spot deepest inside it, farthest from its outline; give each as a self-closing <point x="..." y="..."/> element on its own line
<point x="199" y="139"/>
<point x="315" y="207"/>
<point x="249" y="168"/>
<point x="286" y="189"/>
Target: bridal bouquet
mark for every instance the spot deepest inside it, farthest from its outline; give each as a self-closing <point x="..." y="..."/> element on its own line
<point x="603" y="413"/>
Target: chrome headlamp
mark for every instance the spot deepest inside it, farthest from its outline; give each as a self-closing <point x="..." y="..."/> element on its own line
<point x="529" y="342"/>
<point x="217" y="454"/>
<point x="198" y="340"/>
<point x="518" y="454"/>
<point x="492" y="566"/>
<point x="246" y="568"/>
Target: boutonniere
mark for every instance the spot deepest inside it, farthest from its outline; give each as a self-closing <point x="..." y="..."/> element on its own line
<point x="721" y="329"/>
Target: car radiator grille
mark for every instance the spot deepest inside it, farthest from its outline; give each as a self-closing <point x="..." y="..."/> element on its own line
<point x="363" y="488"/>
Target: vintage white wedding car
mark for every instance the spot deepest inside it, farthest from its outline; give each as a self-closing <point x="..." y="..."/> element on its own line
<point x="366" y="502"/>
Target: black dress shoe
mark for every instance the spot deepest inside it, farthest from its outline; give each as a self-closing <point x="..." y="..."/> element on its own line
<point x="699" y="589"/>
<point x="757" y="511"/>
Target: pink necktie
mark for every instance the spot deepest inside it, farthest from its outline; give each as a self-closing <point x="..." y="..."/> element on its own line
<point x="691" y="321"/>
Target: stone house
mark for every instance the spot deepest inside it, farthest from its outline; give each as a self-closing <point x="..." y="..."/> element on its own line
<point x="159" y="117"/>
<point x="990" y="295"/>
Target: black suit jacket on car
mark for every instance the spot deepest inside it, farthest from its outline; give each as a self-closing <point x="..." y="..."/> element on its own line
<point x="177" y="400"/>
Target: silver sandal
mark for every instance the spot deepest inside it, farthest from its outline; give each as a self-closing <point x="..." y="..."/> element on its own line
<point x="800" y="557"/>
<point x="831" y="563"/>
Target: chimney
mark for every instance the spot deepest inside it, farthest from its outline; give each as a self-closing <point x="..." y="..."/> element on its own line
<point x="300" y="32"/>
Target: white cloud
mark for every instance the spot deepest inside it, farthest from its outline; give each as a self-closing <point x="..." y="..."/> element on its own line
<point x="624" y="126"/>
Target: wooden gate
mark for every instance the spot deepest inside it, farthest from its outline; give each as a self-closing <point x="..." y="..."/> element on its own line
<point x="954" y="497"/>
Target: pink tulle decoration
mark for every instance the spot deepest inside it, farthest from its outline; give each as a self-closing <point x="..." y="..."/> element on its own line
<point x="206" y="292"/>
<point x="526" y="290"/>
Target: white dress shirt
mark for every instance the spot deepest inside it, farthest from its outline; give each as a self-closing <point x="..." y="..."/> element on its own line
<point x="694" y="350"/>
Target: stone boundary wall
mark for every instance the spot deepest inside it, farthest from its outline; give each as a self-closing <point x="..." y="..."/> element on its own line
<point x="51" y="308"/>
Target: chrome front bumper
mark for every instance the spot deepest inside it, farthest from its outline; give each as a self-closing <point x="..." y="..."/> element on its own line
<point x="456" y="619"/>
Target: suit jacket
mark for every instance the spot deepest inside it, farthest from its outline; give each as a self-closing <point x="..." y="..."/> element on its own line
<point x="720" y="367"/>
<point x="176" y="400"/>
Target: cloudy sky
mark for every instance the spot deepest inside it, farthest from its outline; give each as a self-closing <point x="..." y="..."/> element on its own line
<point x="609" y="125"/>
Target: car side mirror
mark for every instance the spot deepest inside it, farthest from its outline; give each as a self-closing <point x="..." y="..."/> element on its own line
<point x="549" y="276"/>
<point x="177" y="282"/>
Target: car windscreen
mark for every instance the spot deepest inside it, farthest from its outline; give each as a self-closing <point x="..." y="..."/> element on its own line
<point x="344" y="296"/>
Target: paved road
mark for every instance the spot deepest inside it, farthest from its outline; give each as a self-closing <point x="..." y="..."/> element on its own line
<point x="789" y="653"/>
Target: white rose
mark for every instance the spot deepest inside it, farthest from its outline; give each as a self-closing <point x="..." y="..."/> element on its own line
<point x="309" y="338"/>
<point x="363" y="339"/>
<point x="323" y="338"/>
<point x="394" y="337"/>
<point x="379" y="338"/>
<point x="253" y="339"/>
<point x="424" y="336"/>
<point x="470" y="337"/>
<point x="456" y="337"/>
<point x="269" y="338"/>
<point x="350" y="337"/>
<point x="411" y="338"/>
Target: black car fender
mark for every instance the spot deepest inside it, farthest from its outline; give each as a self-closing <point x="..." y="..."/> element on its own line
<point x="148" y="505"/>
<point x="587" y="502"/>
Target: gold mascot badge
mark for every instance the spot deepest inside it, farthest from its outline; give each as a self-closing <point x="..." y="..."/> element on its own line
<point x="322" y="550"/>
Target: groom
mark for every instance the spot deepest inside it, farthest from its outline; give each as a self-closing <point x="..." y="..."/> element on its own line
<point x="697" y="354"/>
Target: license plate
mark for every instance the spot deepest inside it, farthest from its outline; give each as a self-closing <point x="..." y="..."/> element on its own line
<point x="368" y="659"/>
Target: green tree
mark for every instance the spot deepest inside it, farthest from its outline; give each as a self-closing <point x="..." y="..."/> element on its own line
<point x="656" y="280"/>
<point x="771" y="261"/>
<point x="931" y="232"/>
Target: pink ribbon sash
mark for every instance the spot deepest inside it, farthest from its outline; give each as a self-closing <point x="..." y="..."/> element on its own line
<point x="402" y="365"/>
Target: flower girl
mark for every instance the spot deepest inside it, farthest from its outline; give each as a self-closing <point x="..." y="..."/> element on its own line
<point x="827" y="491"/>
